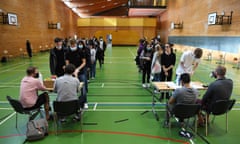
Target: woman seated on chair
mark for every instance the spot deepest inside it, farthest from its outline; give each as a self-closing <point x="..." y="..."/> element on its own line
<point x="30" y="85"/>
<point x="185" y="95"/>
<point x="67" y="87"/>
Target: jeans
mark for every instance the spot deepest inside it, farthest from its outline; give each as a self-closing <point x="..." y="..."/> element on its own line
<point x="83" y="78"/>
<point x="93" y="70"/>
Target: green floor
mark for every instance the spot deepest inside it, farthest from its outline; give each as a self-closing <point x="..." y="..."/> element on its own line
<point x="119" y="108"/>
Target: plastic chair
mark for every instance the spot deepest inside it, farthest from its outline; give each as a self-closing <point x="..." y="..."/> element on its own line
<point x="186" y="111"/>
<point x="220" y="107"/>
<point x="17" y="106"/>
<point x="67" y="108"/>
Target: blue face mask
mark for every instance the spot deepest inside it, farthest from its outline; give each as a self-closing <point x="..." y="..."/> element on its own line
<point x="80" y="46"/>
<point x="149" y="48"/>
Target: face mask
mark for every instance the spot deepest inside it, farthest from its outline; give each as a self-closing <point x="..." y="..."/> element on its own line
<point x="149" y="48"/>
<point x="73" y="48"/>
<point x="80" y="46"/>
<point x="59" y="48"/>
<point x="36" y="75"/>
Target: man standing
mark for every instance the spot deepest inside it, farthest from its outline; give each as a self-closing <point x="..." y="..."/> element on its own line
<point x="57" y="58"/>
<point x="188" y="63"/>
<point x="29" y="48"/>
<point x="30" y="85"/>
<point x="76" y="57"/>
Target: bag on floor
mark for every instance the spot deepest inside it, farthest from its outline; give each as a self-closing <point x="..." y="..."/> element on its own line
<point x="37" y="129"/>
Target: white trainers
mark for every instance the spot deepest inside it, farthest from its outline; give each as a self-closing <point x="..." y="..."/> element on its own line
<point x="148" y="85"/>
<point x="144" y="85"/>
<point x="85" y="106"/>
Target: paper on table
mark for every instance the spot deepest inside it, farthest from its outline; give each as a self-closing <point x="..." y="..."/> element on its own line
<point x="196" y="86"/>
<point x="172" y="85"/>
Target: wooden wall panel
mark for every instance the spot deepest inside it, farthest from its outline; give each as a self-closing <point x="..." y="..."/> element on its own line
<point x="196" y="31"/>
<point x="33" y="18"/>
<point x="121" y="35"/>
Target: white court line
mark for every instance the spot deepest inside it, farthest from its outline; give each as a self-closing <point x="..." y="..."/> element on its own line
<point x="132" y="53"/>
<point x="95" y="106"/>
<point x="7" y="118"/>
<point x="12" y="68"/>
<point x="102" y="85"/>
<point x="125" y="110"/>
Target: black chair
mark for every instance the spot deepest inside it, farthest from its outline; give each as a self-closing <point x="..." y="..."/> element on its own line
<point x="17" y="106"/>
<point x="186" y="111"/>
<point x="63" y="109"/>
<point x="220" y="107"/>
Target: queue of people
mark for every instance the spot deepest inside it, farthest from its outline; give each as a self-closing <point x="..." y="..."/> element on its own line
<point x="149" y="55"/>
<point x="71" y="65"/>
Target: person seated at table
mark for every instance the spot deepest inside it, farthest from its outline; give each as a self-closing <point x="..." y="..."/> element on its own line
<point x="67" y="88"/>
<point x="29" y="87"/>
<point x="220" y="89"/>
<point x="185" y="95"/>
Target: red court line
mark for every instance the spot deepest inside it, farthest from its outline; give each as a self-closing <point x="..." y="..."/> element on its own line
<point x="111" y="132"/>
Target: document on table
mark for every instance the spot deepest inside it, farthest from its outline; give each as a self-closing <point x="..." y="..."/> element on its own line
<point x="172" y="85"/>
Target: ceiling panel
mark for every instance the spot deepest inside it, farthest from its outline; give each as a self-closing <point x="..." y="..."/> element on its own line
<point x="96" y="8"/>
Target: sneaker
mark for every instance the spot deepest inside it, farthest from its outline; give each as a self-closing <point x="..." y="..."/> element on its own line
<point x="166" y="124"/>
<point x="85" y="106"/>
<point x="156" y="92"/>
<point x="148" y="85"/>
<point x="63" y="120"/>
<point x="76" y="118"/>
<point x="144" y="85"/>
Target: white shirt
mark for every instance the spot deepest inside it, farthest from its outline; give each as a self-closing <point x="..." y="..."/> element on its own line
<point x="188" y="59"/>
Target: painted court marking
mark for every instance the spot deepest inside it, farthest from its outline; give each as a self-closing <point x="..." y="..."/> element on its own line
<point x="95" y="106"/>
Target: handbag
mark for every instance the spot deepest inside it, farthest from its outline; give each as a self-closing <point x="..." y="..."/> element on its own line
<point x="37" y="129"/>
<point x="156" y="67"/>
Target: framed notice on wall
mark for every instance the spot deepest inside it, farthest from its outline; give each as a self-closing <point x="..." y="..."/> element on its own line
<point x="12" y="19"/>
<point x="212" y="18"/>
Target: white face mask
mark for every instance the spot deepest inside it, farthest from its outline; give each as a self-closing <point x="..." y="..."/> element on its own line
<point x="73" y="48"/>
<point x="59" y="47"/>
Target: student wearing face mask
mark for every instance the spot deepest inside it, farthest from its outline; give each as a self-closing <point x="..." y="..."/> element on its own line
<point x="30" y="85"/>
<point x="189" y="62"/>
<point x="101" y="47"/>
<point x="57" y="59"/>
<point x="77" y="57"/>
<point x="146" y="56"/>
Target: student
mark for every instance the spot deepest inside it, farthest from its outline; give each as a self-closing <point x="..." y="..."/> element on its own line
<point x="67" y="87"/>
<point x="189" y="61"/>
<point x="168" y="60"/>
<point x="57" y="58"/>
<point x="146" y="56"/>
<point x="185" y="95"/>
<point x="156" y="61"/>
<point x="29" y="87"/>
<point x="29" y="48"/>
<point x="76" y="57"/>
<point x="93" y="61"/>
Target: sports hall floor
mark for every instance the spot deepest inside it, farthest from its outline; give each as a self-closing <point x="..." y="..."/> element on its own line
<point x="119" y="108"/>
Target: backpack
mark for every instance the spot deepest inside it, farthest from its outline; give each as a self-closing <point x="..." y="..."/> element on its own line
<point x="4" y="59"/>
<point x="37" y="129"/>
